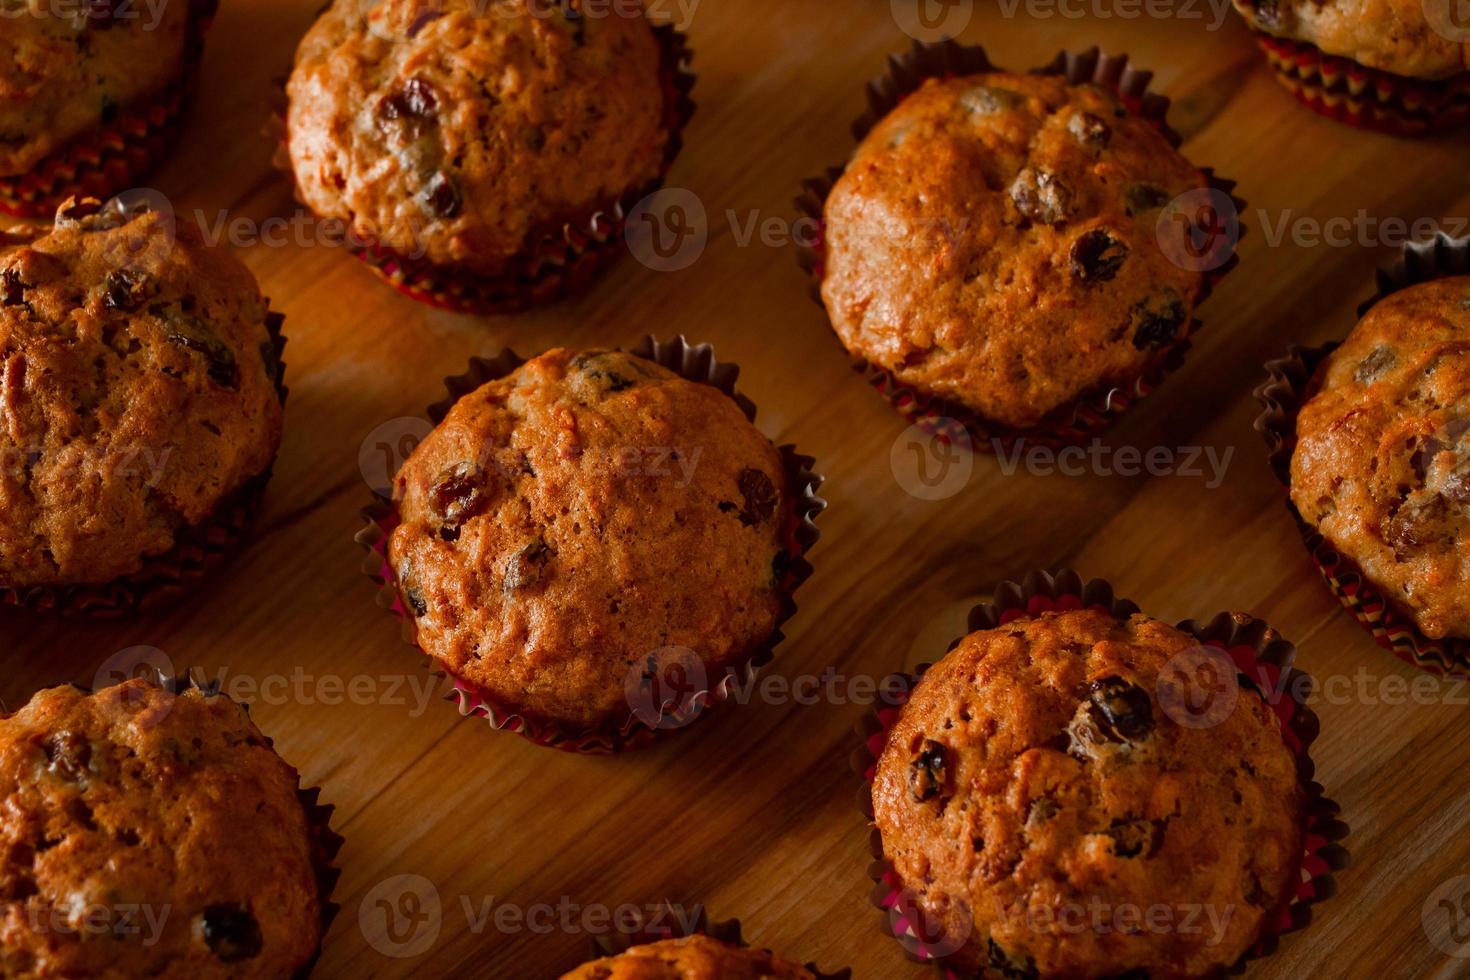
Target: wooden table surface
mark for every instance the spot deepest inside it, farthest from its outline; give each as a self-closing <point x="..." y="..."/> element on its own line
<point x="752" y="811"/>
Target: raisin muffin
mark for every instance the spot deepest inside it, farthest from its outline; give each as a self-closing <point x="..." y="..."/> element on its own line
<point x="691" y="958"/>
<point x="138" y="393"/>
<point x="994" y="242"/>
<point x="1382" y="460"/>
<point x="151" y="834"/>
<point x="590" y="511"/>
<point x="1034" y="773"/>
<point x="462" y="134"/>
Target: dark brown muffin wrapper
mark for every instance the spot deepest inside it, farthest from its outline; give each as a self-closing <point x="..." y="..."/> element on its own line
<point x="119" y="154"/>
<point x="165" y="578"/>
<point x="693" y="363"/>
<point x="1093" y="411"/>
<point x="566" y="259"/>
<point x="1266" y="665"/>
<point x="1291" y="382"/>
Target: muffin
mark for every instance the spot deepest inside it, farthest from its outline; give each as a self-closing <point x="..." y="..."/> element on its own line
<point x="691" y="958"/>
<point x="482" y="152"/>
<point x="139" y="391"/>
<point x="579" y="526"/>
<point x="1396" y="65"/>
<point x="1381" y="466"/>
<point x="153" y="834"/>
<point x="1038" y="774"/>
<point x="90" y="94"/>
<point x="999" y="245"/>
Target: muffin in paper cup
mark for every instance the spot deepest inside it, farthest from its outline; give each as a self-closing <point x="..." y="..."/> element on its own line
<point x="123" y="149"/>
<point x="1212" y="209"/>
<point x="1291" y="383"/>
<point x="556" y="259"/>
<point x="652" y="713"/>
<point x="1264" y="666"/>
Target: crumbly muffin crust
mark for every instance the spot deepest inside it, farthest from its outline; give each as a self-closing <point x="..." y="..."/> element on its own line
<point x="692" y="958"/>
<point x="137" y="392"/>
<point x="462" y="130"/>
<point x="1382" y="462"/>
<point x="568" y="521"/>
<point x="1390" y="35"/>
<point x="994" y="242"/>
<point x="1034" y="773"/>
<point x="66" y="69"/>
<point x="148" y="834"/>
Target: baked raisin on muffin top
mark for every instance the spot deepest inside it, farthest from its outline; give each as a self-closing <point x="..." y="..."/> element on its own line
<point x="150" y="834"/>
<point x="66" y="69"/>
<point x="994" y="242"/>
<point x="568" y="521"/>
<point x="1395" y="36"/>
<point x="1034" y="777"/>
<point x="137" y="392"/>
<point x="1382" y="462"/>
<point x="462" y="130"/>
<point x="692" y="958"/>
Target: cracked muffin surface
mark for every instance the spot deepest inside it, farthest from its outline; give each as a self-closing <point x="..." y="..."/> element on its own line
<point x="586" y="513"/>
<point x="1395" y="36"/>
<point x="137" y="392"/>
<point x="460" y="131"/>
<point x="692" y="958"/>
<point x="1382" y="462"/>
<point x="150" y="834"/>
<point x="996" y="241"/>
<point x="1034" y="778"/>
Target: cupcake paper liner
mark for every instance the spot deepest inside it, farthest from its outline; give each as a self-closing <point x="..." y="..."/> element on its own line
<point x="694" y="363"/>
<point x="164" y="578"/>
<point x="679" y="922"/>
<point x="1093" y="411"/>
<point x="564" y="260"/>
<point x="1282" y="396"/>
<point x="1265" y="662"/>
<point x="118" y="154"/>
<point x="1367" y="98"/>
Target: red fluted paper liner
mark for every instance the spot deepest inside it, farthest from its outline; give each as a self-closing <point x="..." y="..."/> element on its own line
<point x="1367" y="98"/>
<point x="694" y="363"/>
<point x="165" y="578"/>
<point x="118" y="154"/>
<point x="1290" y="384"/>
<point x="1266" y="665"/>
<point x="1094" y="410"/>
<point x="670" y="921"/>
<point x="563" y="260"/>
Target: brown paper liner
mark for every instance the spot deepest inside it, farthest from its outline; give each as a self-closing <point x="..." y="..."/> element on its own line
<point x="117" y="155"/>
<point x="1266" y="664"/>
<point x="1291" y="382"/>
<point x="565" y="259"/>
<point x="1094" y="410"/>
<point x="693" y="363"/>
<point x="165" y="578"/>
<point x="1367" y="98"/>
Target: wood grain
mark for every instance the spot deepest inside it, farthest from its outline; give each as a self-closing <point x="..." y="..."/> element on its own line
<point x="752" y="811"/>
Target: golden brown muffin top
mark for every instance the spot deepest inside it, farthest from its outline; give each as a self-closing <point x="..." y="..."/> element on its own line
<point x="1035" y="778"/>
<point x="693" y="958"/>
<point x="568" y="521"/>
<point x="67" y="68"/>
<point x="1382" y="462"/>
<point x="148" y="834"/>
<point x="136" y="392"/>
<point x="461" y="130"/>
<point x="994" y="242"/>
<point x="1398" y="36"/>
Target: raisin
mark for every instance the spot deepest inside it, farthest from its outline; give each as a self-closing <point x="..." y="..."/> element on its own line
<point x="231" y="932"/>
<point x="459" y="494"/>
<point x="69" y="754"/>
<point x="1156" y="328"/>
<point x="1141" y="198"/>
<point x="123" y="289"/>
<point x="1414" y="527"/>
<point x="1002" y="963"/>
<point x="1132" y="838"/>
<point x="780" y="568"/>
<point x="1089" y="129"/>
<point x="78" y="210"/>
<point x="1097" y="256"/>
<point x="594" y="365"/>
<point x="442" y="196"/>
<point x="985" y="100"/>
<point x="760" y="497"/>
<point x="191" y="333"/>
<point x="12" y="288"/>
<point x="527" y="566"/>
<point x="424" y="19"/>
<point x="1040" y="196"/>
<point x="1121" y="711"/>
<point x="927" y="773"/>
<point x="417" y="100"/>
<point x="1379" y="360"/>
<point x="1268" y="13"/>
<point x="410" y="591"/>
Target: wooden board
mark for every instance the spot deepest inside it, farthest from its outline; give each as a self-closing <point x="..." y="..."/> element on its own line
<point x="753" y="811"/>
